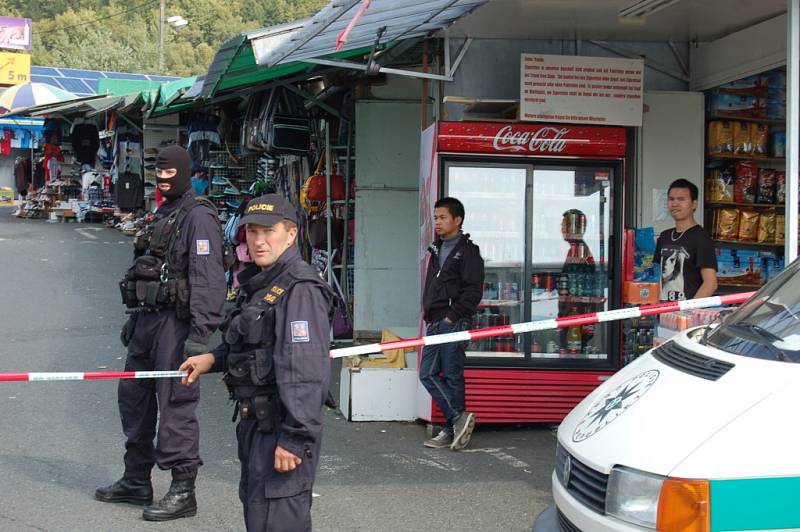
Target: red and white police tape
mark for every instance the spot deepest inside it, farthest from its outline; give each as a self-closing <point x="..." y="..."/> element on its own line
<point x="438" y="339"/>
<point x="90" y="376"/>
<point x="542" y="325"/>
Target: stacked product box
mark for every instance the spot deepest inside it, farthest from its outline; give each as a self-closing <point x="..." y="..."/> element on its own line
<point x="759" y="96"/>
<point x="747" y="267"/>
<point x="671" y="323"/>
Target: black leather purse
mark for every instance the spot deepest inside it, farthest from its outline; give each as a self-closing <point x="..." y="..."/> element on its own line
<point x="285" y="128"/>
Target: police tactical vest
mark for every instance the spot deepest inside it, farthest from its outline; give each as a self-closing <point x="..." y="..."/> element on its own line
<point x="249" y="332"/>
<point x="154" y="282"/>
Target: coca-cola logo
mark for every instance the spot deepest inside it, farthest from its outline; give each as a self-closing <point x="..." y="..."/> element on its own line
<point x="543" y="140"/>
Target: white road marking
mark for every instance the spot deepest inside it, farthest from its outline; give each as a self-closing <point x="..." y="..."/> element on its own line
<point x="415" y="460"/>
<point x="500" y="454"/>
<point x="84" y="231"/>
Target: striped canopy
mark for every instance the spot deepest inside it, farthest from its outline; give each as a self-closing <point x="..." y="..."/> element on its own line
<point x="31" y="94"/>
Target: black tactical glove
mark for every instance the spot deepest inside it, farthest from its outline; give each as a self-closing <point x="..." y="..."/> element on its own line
<point x="191" y="348"/>
<point x="127" y="332"/>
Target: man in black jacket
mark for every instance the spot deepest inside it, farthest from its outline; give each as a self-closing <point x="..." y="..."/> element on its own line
<point x="453" y="289"/>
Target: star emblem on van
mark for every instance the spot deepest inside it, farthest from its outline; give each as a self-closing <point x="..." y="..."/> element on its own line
<point x="613" y="404"/>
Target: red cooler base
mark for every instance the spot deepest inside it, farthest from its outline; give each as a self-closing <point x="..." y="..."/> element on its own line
<point x="525" y="396"/>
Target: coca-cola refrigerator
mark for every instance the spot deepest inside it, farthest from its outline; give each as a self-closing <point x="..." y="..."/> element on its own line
<point x="544" y="202"/>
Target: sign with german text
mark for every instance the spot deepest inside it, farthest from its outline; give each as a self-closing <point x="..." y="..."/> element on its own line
<point x="15" y="33"/>
<point x="15" y="69"/>
<point x="581" y="90"/>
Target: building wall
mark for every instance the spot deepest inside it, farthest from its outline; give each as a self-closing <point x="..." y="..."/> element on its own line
<point x="491" y="67"/>
<point x="386" y="292"/>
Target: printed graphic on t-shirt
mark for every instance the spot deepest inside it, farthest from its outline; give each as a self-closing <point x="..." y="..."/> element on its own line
<point x="674" y="261"/>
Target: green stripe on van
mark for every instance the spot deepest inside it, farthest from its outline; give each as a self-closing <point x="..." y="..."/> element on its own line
<point x="755" y="504"/>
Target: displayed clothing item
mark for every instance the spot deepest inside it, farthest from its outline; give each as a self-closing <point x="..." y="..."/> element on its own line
<point x="203" y="138"/>
<point x="106" y="153"/>
<point x="130" y="191"/>
<point x="5" y="144"/>
<point x="22" y="174"/>
<point x="38" y="175"/>
<point x="52" y="169"/>
<point x="85" y="143"/>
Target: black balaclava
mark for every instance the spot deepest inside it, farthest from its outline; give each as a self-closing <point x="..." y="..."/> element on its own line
<point x="177" y="158"/>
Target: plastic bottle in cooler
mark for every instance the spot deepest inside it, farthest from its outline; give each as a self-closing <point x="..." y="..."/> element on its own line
<point x="574" y="339"/>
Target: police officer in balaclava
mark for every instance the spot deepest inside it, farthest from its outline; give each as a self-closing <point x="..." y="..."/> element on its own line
<point x="173" y="295"/>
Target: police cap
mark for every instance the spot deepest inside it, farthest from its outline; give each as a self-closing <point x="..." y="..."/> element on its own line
<point x="267" y="210"/>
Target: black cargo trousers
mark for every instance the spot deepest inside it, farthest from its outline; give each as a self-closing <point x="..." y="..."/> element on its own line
<point x="157" y="345"/>
<point x="272" y="501"/>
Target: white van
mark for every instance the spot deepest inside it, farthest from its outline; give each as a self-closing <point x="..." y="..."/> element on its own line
<point x="699" y="434"/>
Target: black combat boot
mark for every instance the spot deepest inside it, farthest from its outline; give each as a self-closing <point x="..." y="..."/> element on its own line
<point x="130" y="490"/>
<point x="178" y="502"/>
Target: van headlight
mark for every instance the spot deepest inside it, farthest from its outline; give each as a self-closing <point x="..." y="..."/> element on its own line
<point x="633" y="496"/>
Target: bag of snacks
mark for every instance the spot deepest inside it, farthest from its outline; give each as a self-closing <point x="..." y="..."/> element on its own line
<point x="766" y="227"/>
<point x="744" y="190"/>
<point x="766" y="186"/>
<point x="759" y="139"/>
<point x="780" y="186"/>
<point x="741" y="139"/>
<point x="720" y="137"/>
<point x="748" y="226"/>
<point x="780" y="228"/>
<point x="727" y="226"/>
<point x="719" y="185"/>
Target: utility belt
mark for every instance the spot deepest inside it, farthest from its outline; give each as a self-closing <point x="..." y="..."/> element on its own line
<point x="149" y="286"/>
<point x="265" y="408"/>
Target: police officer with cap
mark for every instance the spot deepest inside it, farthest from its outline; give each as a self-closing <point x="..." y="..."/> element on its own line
<point x="174" y="293"/>
<point x="275" y="359"/>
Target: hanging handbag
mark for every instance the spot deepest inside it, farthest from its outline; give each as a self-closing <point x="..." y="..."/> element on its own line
<point x="341" y="325"/>
<point x="316" y="190"/>
<point x="286" y="130"/>
<point x="318" y="232"/>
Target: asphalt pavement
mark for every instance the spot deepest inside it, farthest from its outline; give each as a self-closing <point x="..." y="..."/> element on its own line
<point x="60" y="440"/>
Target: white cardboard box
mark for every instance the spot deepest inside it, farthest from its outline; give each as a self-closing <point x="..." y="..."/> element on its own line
<point x="378" y="394"/>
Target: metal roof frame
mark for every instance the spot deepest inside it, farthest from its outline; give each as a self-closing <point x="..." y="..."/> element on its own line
<point x="399" y="19"/>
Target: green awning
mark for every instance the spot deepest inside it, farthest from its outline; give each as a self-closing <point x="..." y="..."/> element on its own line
<point x="126" y="86"/>
<point x="172" y="90"/>
<point x="235" y="67"/>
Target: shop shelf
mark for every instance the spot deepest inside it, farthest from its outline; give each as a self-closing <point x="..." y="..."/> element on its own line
<point x="753" y="205"/>
<point x="748" y="158"/>
<point x="495" y="354"/>
<point x="500" y="264"/>
<point x="593" y="356"/>
<point x="499" y="303"/>
<point x="755" y="244"/>
<point x="770" y="121"/>
<point x="740" y="285"/>
<point x="581" y="299"/>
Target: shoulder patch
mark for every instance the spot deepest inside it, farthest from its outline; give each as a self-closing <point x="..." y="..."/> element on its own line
<point x="203" y="247"/>
<point x="300" y="332"/>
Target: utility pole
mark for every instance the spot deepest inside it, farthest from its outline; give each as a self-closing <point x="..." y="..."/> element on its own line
<point x="161" y="10"/>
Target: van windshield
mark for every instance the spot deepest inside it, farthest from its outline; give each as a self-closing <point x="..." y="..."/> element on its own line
<point x="768" y="325"/>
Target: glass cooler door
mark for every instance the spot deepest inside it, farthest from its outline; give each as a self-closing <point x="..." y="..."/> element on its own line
<point x="570" y="252"/>
<point x="494" y="200"/>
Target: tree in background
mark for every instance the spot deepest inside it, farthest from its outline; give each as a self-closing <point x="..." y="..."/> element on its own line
<point x="123" y="36"/>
